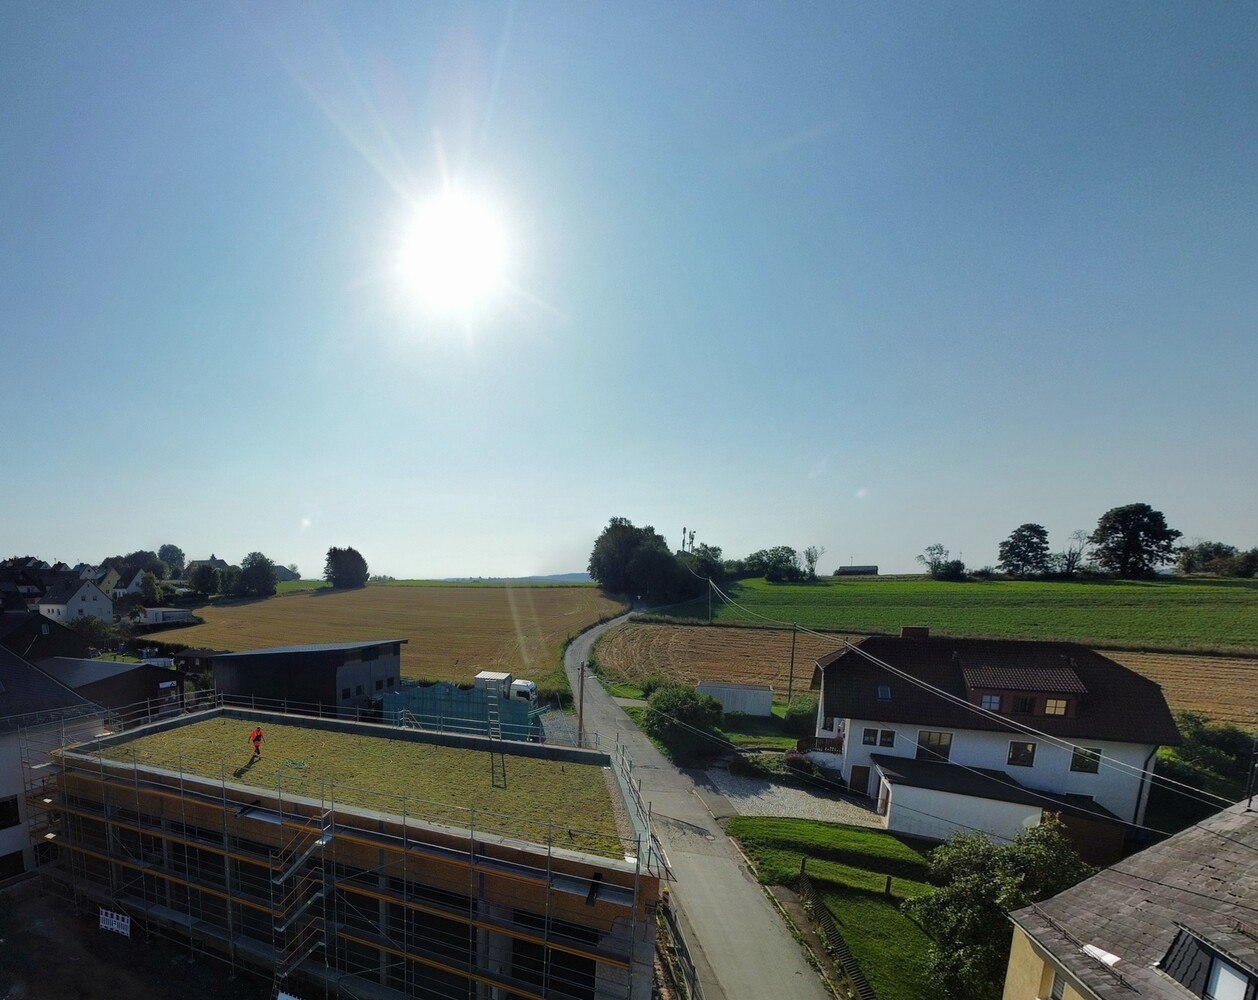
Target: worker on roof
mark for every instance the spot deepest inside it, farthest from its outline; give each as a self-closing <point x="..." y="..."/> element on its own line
<point x="255" y="738"/>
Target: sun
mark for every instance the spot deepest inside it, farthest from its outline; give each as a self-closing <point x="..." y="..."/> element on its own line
<point x="453" y="256"/>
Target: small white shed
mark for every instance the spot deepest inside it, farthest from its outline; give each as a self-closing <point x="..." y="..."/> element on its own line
<point x="747" y="699"/>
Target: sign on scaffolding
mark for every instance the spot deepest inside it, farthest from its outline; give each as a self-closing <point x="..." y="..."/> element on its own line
<point x="119" y="923"/>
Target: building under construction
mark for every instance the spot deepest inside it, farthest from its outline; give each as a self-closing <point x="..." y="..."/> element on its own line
<point x="325" y="871"/>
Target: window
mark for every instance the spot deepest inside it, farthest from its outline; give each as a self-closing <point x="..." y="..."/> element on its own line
<point x="1085" y="760"/>
<point x="1022" y="754"/>
<point x="390" y="682"/>
<point x="11" y="864"/>
<point x="8" y="813"/>
<point x="1055" y="706"/>
<point x="1058" y="991"/>
<point x="991" y="702"/>
<point x="870" y="738"/>
<point x="344" y="693"/>
<point x="886" y="738"/>
<point x="933" y="746"/>
<point x="1023" y="706"/>
<point x="358" y="689"/>
<point x="828" y="723"/>
<point x="1226" y="982"/>
<point x="884" y="692"/>
<point x="379" y="685"/>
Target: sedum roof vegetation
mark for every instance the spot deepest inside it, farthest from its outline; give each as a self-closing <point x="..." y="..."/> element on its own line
<point x="446" y="785"/>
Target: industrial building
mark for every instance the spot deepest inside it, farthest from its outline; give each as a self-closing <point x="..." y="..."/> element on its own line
<point x="326" y="872"/>
<point x="341" y="676"/>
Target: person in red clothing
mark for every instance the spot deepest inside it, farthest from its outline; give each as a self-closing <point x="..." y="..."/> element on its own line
<point x="255" y="738"/>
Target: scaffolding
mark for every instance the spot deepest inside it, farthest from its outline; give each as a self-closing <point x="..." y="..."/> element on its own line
<point x="397" y="898"/>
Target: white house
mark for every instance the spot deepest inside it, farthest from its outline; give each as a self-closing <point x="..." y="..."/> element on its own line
<point x="128" y="585"/>
<point x="937" y="764"/>
<point x="72" y="598"/>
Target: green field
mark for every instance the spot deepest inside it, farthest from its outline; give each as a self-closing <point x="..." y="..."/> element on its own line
<point x="440" y="784"/>
<point x="849" y="867"/>
<point x="1156" y="614"/>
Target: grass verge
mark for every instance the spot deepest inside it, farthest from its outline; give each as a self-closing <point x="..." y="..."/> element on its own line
<point x="849" y="866"/>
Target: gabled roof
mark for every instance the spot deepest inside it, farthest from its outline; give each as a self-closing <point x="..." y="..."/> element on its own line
<point x="982" y="783"/>
<point x="1204" y="879"/>
<point x="63" y="590"/>
<point x="27" y="692"/>
<point x="322" y="647"/>
<point x="75" y="673"/>
<point x="11" y="599"/>
<point x="1119" y="705"/>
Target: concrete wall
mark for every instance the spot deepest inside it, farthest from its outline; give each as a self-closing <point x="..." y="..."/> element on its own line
<point x="1117" y="789"/>
<point x="922" y="812"/>
<point x="740" y="698"/>
<point x="364" y="674"/>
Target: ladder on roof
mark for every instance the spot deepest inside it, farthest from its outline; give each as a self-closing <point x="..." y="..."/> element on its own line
<point x="497" y="759"/>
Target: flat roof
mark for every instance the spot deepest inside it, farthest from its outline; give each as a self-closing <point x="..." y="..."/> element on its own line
<point x="375" y="770"/>
<point x="982" y="783"/>
<point x="314" y="647"/>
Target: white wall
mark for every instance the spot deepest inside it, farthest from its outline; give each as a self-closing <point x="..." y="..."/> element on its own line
<point x="921" y="812"/>
<point x="89" y="601"/>
<point x="1114" y="788"/>
<point x="748" y="701"/>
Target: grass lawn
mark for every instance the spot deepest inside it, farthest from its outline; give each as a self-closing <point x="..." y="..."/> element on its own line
<point x="295" y="586"/>
<point x="758" y="730"/>
<point x="441" y="784"/>
<point x="849" y="866"/>
<point x="1169" y="614"/>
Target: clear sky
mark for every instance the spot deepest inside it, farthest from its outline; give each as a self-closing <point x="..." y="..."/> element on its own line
<point x="863" y="276"/>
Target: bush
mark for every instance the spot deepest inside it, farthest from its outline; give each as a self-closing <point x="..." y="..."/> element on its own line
<point x="652" y="683"/>
<point x="953" y="571"/>
<point x="681" y="718"/>
<point x="801" y="716"/>
<point x="800" y="764"/>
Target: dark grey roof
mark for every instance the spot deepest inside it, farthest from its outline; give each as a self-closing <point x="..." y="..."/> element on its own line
<point x="75" y="673"/>
<point x="322" y="647"/>
<point x="1204" y="879"/>
<point x="982" y="783"/>
<point x="27" y="693"/>
<point x="1120" y="704"/>
<point x="1050" y="680"/>
<point x="63" y="590"/>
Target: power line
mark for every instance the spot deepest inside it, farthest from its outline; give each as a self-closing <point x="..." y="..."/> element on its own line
<point x="1009" y="723"/>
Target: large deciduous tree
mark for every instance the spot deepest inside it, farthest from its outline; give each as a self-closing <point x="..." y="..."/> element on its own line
<point x="204" y="579"/>
<point x="1025" y="551"/>
<point x="149" y="591"/>
<point x="345" y="568"/>
<point x="1133" y="541"/>
<point x="811" y="555"/>
<point x="257" y="575"/>
<point x="979" y="882"/>
<point x="173" y="557"/>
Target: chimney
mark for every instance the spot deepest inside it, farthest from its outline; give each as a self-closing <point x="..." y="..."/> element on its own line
<point x="914" y="631"/>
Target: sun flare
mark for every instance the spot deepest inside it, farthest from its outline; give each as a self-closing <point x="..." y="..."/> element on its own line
<point x="453" y="256"/>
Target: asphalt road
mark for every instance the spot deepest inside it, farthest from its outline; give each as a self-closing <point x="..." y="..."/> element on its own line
<point x="740" y="944"/>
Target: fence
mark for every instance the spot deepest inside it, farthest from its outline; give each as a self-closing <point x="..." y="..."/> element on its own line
<point x="656" y="861"/>
<point x="830" y="931"/>
<point x="682" y="964"/>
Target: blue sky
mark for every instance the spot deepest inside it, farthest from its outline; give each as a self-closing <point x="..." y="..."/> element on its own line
<point x="861" y="276"/>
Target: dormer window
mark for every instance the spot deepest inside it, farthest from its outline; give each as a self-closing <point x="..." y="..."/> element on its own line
<point x="884" y="692"/>
<point x="991" y="702"/>
<point x="1023" y="705"/>
<point x="1054" y="706"/>
<point x="1226" y="982"/>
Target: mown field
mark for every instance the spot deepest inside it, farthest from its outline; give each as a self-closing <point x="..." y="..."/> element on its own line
<point x="1205" y="615"/>
<point x="453" y="632"/>
<point x="1225" y="688"/>
<point x="849" y="867"/>
<point x="441" y="784"/>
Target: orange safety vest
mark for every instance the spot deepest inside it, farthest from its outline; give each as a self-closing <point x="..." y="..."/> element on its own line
<point x="256" y="736"/>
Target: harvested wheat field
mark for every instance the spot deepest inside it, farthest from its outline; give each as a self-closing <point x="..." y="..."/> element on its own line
<point x="453" y="631"/>
<point x="695" y="653"/>
<point x="1224" y="688"/>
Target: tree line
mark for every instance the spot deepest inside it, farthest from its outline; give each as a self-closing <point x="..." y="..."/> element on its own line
<point x="1130" y="542"/>
<point x="628" y="559"/>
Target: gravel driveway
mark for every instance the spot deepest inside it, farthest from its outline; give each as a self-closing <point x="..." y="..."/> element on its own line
<point x="757" y="797"/>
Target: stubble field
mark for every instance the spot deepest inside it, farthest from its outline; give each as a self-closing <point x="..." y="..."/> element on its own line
<point x="1225" y="688"/>
<point x="453" y="632"/>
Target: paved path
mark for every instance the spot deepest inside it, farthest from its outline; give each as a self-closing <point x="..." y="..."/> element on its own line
<point x="742" y="948"/>
<point x="757" y="797"/>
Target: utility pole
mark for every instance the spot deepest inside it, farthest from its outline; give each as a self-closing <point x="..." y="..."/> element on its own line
<point x="790" y="684"/>
<point x="709" y="600"/>
<point x="581" y="704"/>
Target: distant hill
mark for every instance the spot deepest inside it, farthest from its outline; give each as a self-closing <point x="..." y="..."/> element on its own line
<point x="553" y="578"/>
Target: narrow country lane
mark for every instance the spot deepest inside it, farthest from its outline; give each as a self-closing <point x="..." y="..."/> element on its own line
<point x="742" y="947"/>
